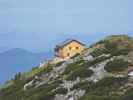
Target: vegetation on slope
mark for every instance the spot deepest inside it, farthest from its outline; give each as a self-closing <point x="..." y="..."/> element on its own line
<point x="107" y="88"/>
<point x="116" y="65"/>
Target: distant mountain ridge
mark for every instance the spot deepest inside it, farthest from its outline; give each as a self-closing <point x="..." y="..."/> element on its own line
<point x="19" y="60"/>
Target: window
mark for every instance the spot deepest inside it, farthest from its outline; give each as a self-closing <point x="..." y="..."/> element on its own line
<point x="77" y="48"/>
<point x="70" y="48"/>
<point x="68" y="54"/>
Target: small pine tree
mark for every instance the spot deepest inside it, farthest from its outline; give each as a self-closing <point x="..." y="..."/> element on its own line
<point x="17" y="76"/>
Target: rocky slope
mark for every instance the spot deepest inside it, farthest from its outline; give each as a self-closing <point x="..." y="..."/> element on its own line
<point x="104" y="71"/>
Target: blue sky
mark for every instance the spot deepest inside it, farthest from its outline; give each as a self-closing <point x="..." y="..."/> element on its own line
<point x="37" y="25"/>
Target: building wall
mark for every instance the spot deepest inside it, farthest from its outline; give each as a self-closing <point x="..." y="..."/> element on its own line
<point x="59" y="53"/>
<point x="72" y="49"/>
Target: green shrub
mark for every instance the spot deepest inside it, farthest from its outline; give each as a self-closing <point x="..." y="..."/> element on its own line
<point x="110" y="47"/>
<point x="109" y="81"/>
<point x="97" y="52"/>
<point x="118" y="52"/>
<point x="94" y="97"/>
<point x="82" y="85"/>
<point x="61" y="91"/>
<point x="116" y="65"/>
<point x="105" y="86"/>
<point x="73" y="66"/>
<point x="80" y="72"/>
<point x="97" y="60"/>
<point x="102" y="97"/>
<point x="128" y="95"/>
<point x="114" y="50"/>
<point x="37" y="71"/>
<point x="43" y="92"/>
<point x="59" y="63"/>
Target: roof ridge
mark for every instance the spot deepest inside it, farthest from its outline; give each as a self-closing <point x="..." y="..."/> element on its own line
<point x="62" y="44"/>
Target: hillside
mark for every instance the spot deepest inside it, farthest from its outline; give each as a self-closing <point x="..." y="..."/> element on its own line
<point x="103" y="71"/>
<point x="19" y="60"/>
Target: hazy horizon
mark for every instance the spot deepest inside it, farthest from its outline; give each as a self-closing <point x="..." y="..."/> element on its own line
<point x="38" y="25"/>
<point x="87" y="39"/>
